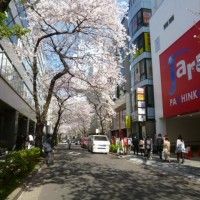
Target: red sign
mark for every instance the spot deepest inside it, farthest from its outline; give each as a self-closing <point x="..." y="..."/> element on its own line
<point x="180" y="74"/>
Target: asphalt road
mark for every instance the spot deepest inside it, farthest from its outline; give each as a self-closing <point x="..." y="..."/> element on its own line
<point x="78" y="174"/>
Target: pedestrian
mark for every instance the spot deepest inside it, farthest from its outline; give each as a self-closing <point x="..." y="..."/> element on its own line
<point x="30" y="141"/>
<point x="48" y="149"/>
<point x="166" y="149"/>
<point x="141" y="146"/>
<point x="129" y="145"/>
<point x="180" y="148"/>
<point x="118" y="143"/>
<point x="135" y="142"/>
<point x="159" y="144"/>
<point x="148" y="146"/>
<point x="69" y="142"/>
<point x="125" y="145"/>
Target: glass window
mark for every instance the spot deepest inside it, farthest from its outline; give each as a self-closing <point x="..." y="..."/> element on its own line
<point x="134" y="100"/>
<point x="18" y="83"/>
<point x="171" y="19"/>
<point x="147" y="42"/>
<point x="136" y="74"/>
<point x="149" y="96"/>
<point x="11" y="75"/>
<point x="142" y="43"/>
<point x="9" y="72"/>
<point x="123" y="115"/>
<point x="4" y="64"/>
<point x="139" y="19"/>
<point x="142" y="70"/>
<point x="22" y="14"/>
<point x="134" y="24"/>
<point x="100" y="138"/>
<point x="10" y="22"/>
<point x="1" y="58"/>
<point x="165" y="25"/>
<point x="157" y="44"/>
<point x="146" y="16"/>
<point x="149" y="69"/>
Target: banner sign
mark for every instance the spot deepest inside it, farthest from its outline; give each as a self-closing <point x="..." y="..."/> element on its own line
<point x="128" y="121"/>
<point x="141" y="108"/>
<point x="180" y="74"/>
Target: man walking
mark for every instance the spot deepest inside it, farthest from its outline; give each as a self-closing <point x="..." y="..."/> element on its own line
<point x="159" y="143"/>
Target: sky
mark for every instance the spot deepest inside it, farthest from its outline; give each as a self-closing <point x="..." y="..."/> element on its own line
<point x="124" y="6"/>
<point x="123" y="2"/>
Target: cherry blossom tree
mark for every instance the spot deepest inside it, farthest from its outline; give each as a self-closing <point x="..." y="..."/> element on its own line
<point x="76" y="37"/>
<point x="77" y="118"/>
<point x="102" y="104"/>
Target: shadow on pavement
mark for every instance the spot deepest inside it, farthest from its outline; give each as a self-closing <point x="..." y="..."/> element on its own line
<point x="89" y="181"/>
<point x="173" y="166"/>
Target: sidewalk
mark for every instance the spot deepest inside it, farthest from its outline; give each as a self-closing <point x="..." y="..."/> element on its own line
<point x="190" y="168"/>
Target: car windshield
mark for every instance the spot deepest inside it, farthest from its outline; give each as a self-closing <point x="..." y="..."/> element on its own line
<point x="100" y="138"/>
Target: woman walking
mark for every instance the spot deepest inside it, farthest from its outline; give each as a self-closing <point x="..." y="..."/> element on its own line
<point x="166" y="149"/>
<point x="180" y="148"/>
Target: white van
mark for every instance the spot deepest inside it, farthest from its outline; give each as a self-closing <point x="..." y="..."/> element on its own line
<point x="98" y="144"/>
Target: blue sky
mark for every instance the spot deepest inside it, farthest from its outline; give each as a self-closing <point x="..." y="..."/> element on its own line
<point x="123" y="2"/>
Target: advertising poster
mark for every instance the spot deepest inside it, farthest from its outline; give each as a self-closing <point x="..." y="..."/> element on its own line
<point x="180" y="75"/>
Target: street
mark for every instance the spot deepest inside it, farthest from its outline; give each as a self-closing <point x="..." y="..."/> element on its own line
<point x="78" y="174"/>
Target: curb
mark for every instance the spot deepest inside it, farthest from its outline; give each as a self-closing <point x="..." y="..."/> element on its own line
<point x="18" y="191"/>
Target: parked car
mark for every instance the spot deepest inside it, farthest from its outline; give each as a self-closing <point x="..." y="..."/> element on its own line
<point x="98" y="144"/>
<point x="84" y="142"/>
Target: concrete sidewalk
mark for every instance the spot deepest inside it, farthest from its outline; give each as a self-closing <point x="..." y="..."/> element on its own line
<point x="190" y="168"/>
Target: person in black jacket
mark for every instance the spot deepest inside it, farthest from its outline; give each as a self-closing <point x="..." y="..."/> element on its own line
<point x="135" y="142"/>
<point x="159" y="144"/>
<point x="47" y="144"/>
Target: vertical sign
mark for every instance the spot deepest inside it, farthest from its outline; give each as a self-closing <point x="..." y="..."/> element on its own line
<point x="141" y="104"/>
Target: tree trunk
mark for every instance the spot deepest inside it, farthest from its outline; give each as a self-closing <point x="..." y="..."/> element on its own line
<point x="4" y="5"/>
<point x="56" y="127"/>
<point x="39" y="134"/>
<point x="55" y="133"/>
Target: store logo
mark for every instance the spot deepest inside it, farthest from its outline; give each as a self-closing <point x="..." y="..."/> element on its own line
<point x="181" y="68"/>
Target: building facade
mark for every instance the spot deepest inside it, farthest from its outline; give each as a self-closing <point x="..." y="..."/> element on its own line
<point x="175" y="44"/>
<point x="142" y="97"/>
<point x="17" y="115"/>
<point x="121" y="125"/>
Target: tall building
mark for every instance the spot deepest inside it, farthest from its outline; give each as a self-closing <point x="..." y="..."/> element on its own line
<point x="142" y="96"/>
<point x="121" y="124"/>
<point x="175" y="41"/>
<point x="17" y="115"/>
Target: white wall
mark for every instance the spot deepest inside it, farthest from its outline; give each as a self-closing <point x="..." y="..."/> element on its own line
<point x="11" y="98"/>
<point x="184" y="18"/>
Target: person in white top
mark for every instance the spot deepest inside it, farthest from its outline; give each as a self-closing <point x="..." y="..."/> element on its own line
<point x="30" y="141"/>
<point x="180" y="148"/>
<point x="166" y="149"/>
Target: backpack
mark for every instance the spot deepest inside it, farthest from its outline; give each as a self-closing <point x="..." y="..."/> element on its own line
<point x="47" y="147"/>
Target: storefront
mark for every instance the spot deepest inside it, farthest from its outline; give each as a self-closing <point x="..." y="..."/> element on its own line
<point x="176" y="69"/>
